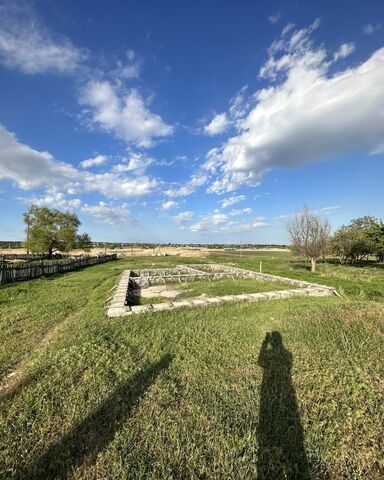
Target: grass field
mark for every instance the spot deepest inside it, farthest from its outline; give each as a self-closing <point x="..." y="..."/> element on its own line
<point x="286" y="389"/>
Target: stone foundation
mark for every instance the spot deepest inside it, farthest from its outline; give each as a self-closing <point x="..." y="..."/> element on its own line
<point x="135" y="279"/>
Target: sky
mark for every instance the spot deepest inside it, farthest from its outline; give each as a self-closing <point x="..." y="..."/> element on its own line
<point x="188" y="122"/>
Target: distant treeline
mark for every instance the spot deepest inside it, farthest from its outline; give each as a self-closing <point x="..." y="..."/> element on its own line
<point x="115" y="245"/>
<point x="10" y="244"/>
<point x="185" y="245"/>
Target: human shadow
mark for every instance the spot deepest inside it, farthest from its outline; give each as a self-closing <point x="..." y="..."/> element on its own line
<point x="281" y="452"/>
<point x="89" y="437"/>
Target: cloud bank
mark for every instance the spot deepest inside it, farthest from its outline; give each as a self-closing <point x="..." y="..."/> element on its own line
<point x="308" y="112"/>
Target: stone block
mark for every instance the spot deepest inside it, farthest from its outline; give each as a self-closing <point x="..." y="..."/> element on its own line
<point x="157" y="307"/>
<point x="117" y="311"/>
<point x="181" y="303"/>
<point x="141" y="308"/>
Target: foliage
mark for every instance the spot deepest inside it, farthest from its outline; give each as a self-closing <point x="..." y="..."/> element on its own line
<point x="358" y="240"/>
<point x="309" y="235"/>
<point x="49" y="230"/>
<point x="84" y="242"/>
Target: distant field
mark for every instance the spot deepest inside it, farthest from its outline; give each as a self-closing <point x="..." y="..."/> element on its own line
<point x="194" y="393"/>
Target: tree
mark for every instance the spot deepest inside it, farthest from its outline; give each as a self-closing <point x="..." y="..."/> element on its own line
<point x="376" y="235"/>
<point x="309" y="235"/>
<point x="49" y="230"/>
<point x="84" y="242"/>
<point x="363" y="236"/>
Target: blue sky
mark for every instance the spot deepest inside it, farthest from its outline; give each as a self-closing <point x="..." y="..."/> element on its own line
<point x="191" y="121"/>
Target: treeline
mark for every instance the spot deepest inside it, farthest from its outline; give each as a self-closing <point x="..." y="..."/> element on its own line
<point x="10" y="244"/>
<point x="361" y="239"/>
<point x="113" y="245"/>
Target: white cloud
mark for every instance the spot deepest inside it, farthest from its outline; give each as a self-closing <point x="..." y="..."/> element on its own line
<point x="123" y="113"/>
<point x="274" y="18"/>
<point x="196" y="180"/>
<point x="331" y="208"/>
<point x="130" y="69"/>
<point x="309" y="114"/>
<point x="220" y="223"/>
<point x="240" y="211"/>
<point x="227" y="202"/>
<point x="114" y="215"/>
<point x="370" y="29"/>
<point x="217" y="125"/>
<point x="30" y="168"/>
<point x="168" y="205"/>
<point x="344" y="50"/>
<point x="137" y="163"/>
<point x="183" y="217"/>
<point x="323" y="210"/>
<point x="114" y="185"/>
<point x="94" y="162"/>
<point x="239" y="104"/>
<point x="53" y="199"/>
<point x="26" y="45"/>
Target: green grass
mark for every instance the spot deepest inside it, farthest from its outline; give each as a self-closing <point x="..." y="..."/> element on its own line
<point x="195" y="393"/>
<point x="227" y="286"/>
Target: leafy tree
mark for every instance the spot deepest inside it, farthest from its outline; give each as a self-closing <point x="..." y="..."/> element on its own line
<point x="309" y="235"/>
<point x="84" y="242"/>
<point x="49" y="230"/>
<point x="376" y="236"/>
<point x="356" y="241"/>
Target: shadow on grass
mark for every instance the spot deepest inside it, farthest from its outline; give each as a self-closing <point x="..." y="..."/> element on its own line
<point x="87" y="439"/>
<point x="280" y="434"/>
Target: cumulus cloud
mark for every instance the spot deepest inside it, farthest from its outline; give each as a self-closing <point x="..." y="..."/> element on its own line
<point x="116" y="216"/>
<point x="53" y="199"/>
<point x="183" y="217"/>
<point x="240" y="211"/>
<point x="227" y="202"/>
<point x="124" y="113"/>
<point x="30" y="168"/>
<point x="307" y="113"/>
<point x="26" y="45"/>
<point x="217" y="125"/>
<point x="94" y="162"/>
<point x="196" y="180"/>
<point x="168" y="205"/>
<point x="137" y="163"/>
<point x="128" y="69"/>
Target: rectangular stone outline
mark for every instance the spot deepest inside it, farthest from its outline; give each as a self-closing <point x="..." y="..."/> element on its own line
<point x="118" y="307"/>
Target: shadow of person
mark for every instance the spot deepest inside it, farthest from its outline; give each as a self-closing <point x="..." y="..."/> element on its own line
<point x="88" y="438"/>
<point x="281" y="453"/>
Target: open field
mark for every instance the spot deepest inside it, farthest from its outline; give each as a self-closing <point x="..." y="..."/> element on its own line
<point x="194" y="393"/>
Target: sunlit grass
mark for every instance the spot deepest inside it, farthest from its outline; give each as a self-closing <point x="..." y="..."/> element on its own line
<point x="185" y="394"/>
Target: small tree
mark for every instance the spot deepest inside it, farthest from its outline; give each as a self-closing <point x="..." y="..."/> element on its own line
<point x="84" y="242"/>
<point x="309" y="235"/>
<point x="49" y="230"/>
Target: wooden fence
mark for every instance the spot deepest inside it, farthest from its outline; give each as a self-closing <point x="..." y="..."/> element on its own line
<point x="10" y="274"/>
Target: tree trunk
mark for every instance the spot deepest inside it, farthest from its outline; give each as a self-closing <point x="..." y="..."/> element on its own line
<point x="313" y="264"/>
